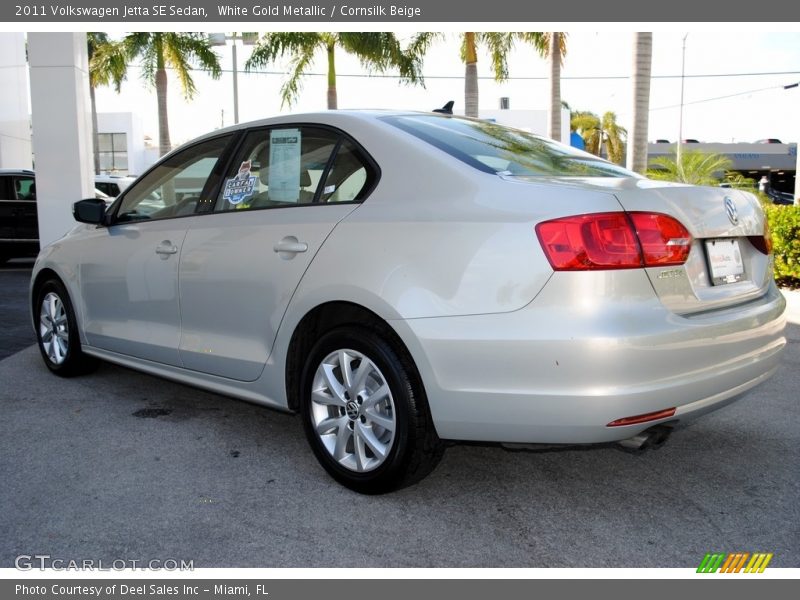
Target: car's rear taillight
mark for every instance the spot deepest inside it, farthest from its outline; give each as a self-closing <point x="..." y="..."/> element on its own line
<point x="614" y="240"/>
<point x="664" y="240"/>
<point x="762" y="243"/>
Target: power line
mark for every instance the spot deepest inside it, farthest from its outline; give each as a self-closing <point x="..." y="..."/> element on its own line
<point x="488" y="77"/>
<point x="701" y="101"/>
<point x="543" y="78"/>
<point x="777" y="87"/>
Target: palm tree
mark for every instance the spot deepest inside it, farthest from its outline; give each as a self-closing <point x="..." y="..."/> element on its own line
<point x="614" y="136"/>
<point x="642" y="61"/>
<point x="498" y="44"/>
<point x="555" y="56"/>
<point x="599" y="133"/>
<point x="377" y="51"/>
<point x="160" y="51"/>
<point x="695" y="167"/>
<point x="106" y="67"/>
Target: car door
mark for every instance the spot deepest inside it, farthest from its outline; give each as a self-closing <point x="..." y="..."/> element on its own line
<point x="7" y="210"/>
<point x="18" y="208"/>
<point x="26" y="215"/>
<point x="129" y="269"/>
<point x="241" y="264"/>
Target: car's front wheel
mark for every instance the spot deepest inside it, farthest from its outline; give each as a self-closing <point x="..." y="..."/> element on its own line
<point x="365" y="413"/>
<point x="57" y="332"/>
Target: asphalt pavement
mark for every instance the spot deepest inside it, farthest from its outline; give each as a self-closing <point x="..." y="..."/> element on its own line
<point x="119" y="465"/>
<point x="15" y="329"/>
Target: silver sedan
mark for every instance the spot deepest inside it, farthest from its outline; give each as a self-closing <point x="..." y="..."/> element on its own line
<point x="401" y="279"/>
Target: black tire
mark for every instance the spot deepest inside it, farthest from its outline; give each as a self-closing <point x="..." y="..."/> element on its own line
<point x="72" y="362"/>
<point x="415" y="448"/>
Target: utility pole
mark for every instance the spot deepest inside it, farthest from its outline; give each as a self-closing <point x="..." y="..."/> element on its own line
<point x="221" y="39"/>
<point x="679" y="143"/>
<point x="797" y="157"/>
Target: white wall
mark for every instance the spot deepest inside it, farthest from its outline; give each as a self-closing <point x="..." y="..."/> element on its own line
<point x="15" y="130"/>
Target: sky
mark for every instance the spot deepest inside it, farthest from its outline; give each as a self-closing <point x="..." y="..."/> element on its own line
<point x="734" y="106"/>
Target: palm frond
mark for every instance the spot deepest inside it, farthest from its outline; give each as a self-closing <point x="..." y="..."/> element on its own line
<point x="175" y="58"/>
<point x="539" y="40"/>
<point x="499" y="44"/>
<point x="108" y="62"/>
<point x="421" y="43"/>
<point x="562" y="44"/>
<point x="291" y="88"/>
<point x="278" y="44"/>
<point x="695" y="167"/>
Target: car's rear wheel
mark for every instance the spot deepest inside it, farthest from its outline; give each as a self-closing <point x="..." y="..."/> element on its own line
<point x="365" y="412"/>
<point x="57" y="332"/>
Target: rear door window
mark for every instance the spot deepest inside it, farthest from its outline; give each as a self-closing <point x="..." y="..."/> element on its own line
<point x="277" y="167"/>
<point x="351" y="176"/>
<point x="24" y="188"/>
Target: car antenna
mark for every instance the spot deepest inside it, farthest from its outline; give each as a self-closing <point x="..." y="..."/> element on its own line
<point x="447" y="109"/>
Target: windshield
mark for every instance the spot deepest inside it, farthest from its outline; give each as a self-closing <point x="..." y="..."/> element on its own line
<point x="499" y="149"/>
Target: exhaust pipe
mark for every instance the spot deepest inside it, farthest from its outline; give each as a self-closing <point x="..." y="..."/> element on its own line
<point x="651" y="438"/>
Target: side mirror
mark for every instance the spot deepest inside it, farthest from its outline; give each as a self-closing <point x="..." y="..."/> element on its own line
<point x="91" y="211"/>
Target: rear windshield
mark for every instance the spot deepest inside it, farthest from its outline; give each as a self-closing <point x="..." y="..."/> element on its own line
<point x="498" y="149"/>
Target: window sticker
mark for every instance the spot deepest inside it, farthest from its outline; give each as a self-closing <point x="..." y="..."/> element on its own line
<point x="241" y="187"/>
<point x="329" y="189"/>
<point x="284" y="165"/>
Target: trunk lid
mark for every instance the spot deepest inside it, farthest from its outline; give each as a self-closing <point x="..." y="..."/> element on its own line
<point x="725" y="267"/>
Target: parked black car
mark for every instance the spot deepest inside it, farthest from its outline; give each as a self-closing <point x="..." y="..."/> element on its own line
<point x="19" y="220"/>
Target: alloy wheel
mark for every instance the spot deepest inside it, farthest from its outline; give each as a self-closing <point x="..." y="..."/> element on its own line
<point x="53" y="328"/>
<point x="352" y="410"/>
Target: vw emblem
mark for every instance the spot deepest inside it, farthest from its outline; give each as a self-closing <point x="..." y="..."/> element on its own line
<point x="730" y="208"/>
<point x="352" y="410"/>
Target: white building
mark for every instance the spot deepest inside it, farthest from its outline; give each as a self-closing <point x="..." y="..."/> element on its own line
<point x="121" y="144"/>
<point x="15" y="127"/>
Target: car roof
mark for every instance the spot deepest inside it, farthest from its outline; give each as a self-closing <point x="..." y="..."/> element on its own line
<point x="16" y="172"/>
<point x="336" y="118"/>
<point x="339" y="116"/>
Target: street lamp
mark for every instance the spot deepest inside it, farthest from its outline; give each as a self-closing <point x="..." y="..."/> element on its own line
<point x="680" y="116"/>
<point x="797" y="156"/>
<point x="221" y="39"/>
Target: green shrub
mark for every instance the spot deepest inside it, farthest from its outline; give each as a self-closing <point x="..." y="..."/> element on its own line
<point x="784" y="224"/>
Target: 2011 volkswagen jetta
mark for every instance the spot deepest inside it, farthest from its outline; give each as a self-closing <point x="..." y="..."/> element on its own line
<point x="400" y="279"/>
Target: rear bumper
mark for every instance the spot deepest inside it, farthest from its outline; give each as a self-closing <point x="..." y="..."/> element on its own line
<point x="572" y="361"/>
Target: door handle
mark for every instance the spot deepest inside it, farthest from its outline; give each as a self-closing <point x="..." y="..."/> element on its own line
<point x="165" y="248"/>
<point x="290" y="245"/>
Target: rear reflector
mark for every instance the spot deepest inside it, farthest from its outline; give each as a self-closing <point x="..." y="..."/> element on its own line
<point x="616" y="240"/>
<point x="653" y="416"/>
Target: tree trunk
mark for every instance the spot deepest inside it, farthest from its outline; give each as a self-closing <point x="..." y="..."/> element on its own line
<point x="164" y="144"/>
<point x="471" y="76"/>
<point x="95" y="137"/>
<point x="554" y="125"/>
<point x="333" y="101"/>
<point x="637" y="140"/>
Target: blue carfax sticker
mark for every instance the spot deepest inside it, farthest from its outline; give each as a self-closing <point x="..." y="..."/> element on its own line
<point x="240" y="188"/>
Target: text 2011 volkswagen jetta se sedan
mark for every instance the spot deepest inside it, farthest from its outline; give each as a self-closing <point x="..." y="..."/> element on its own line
<point x="406" y="278"/>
